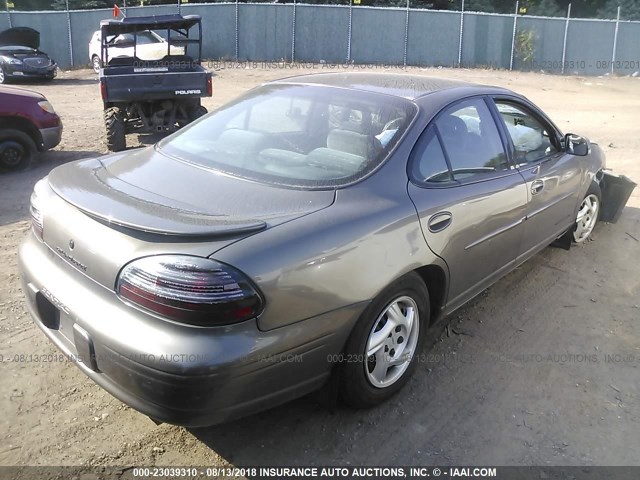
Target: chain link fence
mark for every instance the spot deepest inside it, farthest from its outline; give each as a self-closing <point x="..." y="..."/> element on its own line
<point x="350" y="33"/>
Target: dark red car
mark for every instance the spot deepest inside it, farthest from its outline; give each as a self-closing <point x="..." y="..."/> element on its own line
<point x="28" y="124"/>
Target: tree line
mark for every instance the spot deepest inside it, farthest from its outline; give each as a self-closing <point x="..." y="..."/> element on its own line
<point x="550" y="8"/>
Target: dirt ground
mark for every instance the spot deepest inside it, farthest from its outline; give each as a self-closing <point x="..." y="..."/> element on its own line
<point x="541" y="369"/>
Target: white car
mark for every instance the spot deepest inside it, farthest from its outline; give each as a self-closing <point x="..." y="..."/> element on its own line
<point x="149" y="46"/>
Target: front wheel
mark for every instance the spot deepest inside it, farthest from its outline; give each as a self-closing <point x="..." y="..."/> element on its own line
<point x="381" y="352"/>
<point x="588" y="214"/>
<point x="3" y="76"/>
<point x="16" y="150"/>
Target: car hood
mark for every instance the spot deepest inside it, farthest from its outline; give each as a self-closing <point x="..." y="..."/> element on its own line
<point x="21" y="92"/>
<point x="22" y="36"/>
<point x="144" y="190"/>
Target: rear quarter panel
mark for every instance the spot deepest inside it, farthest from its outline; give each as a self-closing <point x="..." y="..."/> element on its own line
<point x="339" y="256"/>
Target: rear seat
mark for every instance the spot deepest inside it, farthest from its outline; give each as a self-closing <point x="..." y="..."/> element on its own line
<point x="343" y="162"/>
<point x="282" y="157"/>
<point x="349" y="142"/>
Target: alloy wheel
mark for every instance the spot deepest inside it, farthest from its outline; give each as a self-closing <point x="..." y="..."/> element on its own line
<point x="587" y="218"/>
<point x="392" y="342"/>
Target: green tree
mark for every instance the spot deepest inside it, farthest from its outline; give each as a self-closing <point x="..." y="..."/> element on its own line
<point x="545" y="8"/>
<point x="629" y="9"/>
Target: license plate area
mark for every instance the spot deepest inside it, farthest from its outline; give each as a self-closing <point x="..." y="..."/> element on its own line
<point x="54" y="318"/>
<point x="76" y="337"/>
<point x="49" y="313"/>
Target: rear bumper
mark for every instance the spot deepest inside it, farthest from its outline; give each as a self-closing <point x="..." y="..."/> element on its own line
<point x="51" y="136"/>
<point x="178" y="374"/>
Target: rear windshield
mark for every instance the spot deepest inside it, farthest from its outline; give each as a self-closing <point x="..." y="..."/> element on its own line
<point x="296" y="135"/>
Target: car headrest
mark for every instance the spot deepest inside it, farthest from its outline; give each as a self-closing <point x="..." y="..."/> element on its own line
<point x="452" y="126"/>
<point x="349" y="142"/>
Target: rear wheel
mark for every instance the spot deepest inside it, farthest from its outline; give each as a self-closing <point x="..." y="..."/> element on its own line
<point x="16" y="150"/>
<point x="114" y="123"/>
<point x="588" y="214"/>
<point x="381" y="352"/>
<point x="96" y="63"/>
<point x="3" y="77"/>
<point x="197" y="112"/>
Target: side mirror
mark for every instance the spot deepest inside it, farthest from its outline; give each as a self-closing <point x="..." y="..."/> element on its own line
<point x="576" y="145"/>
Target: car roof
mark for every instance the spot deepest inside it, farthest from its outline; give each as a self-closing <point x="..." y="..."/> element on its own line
<point x="396" y="84"/>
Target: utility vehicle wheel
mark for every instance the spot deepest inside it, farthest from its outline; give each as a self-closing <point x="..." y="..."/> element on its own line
<point x="198" y="112"/>
<point x="16" y="150"/>
<point x="381" y="352"/>
<point x="114" y="122"/>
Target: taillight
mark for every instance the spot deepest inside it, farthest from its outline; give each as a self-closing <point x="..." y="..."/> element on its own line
<point x="189" y="289"/>
<point x="209" y="86"/>
<point x="37" y="224"/>
<point x="103" y="89"/>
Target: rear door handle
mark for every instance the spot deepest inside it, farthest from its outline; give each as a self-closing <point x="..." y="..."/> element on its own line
<point x="536" y="187"/>
<point x="439" y="222"/>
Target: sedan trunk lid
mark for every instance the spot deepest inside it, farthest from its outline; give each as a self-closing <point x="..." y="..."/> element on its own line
<point x="115" y="209"/>
<point x="149" y="192"/>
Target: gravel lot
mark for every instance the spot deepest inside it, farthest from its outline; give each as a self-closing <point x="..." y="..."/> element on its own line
<point x="541" y="369"/>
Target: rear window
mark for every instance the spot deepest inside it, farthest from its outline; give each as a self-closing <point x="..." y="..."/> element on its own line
<point x="295" y="135"/>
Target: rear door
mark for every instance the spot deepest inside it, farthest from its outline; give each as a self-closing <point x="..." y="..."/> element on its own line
<point x="471" y="201"/>
<point x="552" y="177"/>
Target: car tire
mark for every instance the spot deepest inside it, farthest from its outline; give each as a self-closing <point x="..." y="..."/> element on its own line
<point x="96" y="63"/>
<point x="3" y="76"/>
<point x="366" y="379"/>
<point x="16" y="150"/>
<point x="114" y="123"/>
<point x="588" y="214"/>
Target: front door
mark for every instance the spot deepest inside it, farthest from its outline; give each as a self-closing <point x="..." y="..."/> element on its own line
<point x="552" y="176"/>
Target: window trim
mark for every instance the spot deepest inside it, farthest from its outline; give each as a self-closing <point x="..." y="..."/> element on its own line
<point x="421" y="146"/>
<point x="538" y="115"/>
<point x="512" y="170"/>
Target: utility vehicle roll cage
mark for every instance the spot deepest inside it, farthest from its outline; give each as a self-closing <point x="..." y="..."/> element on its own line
<point x="178" y="24"/>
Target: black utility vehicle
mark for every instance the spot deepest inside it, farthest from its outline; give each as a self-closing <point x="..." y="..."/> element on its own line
<point x="148" y="96"/>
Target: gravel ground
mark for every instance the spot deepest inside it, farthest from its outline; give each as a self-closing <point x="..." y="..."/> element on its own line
<point x="541" y="369"/>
